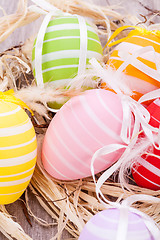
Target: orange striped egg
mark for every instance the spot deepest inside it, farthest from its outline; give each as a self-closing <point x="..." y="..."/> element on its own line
<point x="141" y="76"/>
<point x="18" y="151"/>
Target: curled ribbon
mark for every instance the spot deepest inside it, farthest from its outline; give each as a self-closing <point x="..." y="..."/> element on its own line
<point x="8" y="96"/>
<point x="125" y="205"/>
<point x="129" y="131"/>
<point x="129" y="135"/>
<point x="138" y="30"/>
<point x="133" y="58"/>
<point x="135" y="62"/>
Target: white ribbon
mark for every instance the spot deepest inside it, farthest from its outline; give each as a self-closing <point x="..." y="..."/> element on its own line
<point x="101" y="152"/>
<point x="38" y="50"/>
<point x="155" y="74"/>
<point x="129" y="135"/>
<point x="132" y="59"/>
<point x="83" y="45"/>
<point x="44" y="7"/>
<point x="150" y="96"/>
<point x="141" y="119"/>
<point x="130" y="129"/>
<point x="124" y="207"/>
<point x="150" y="224"/>
<point x="123" y="223"/>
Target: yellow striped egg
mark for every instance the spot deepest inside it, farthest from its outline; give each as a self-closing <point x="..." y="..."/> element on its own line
<point x="18" y="151"/>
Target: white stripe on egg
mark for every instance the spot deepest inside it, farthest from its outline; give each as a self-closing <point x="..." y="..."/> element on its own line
<point x="17" y="182"/>
<point x="101" y="233"/>
<point x="25" y="126"/>
<point x="12" y="193"/>
<point x="107" y="108"/>
<point x="19" y="145"/>
<point x="132" y="48"/>
<point x="52" y="166"/>
<point x="84" y="128"/>
<point x="71" y="133"/>
<point x="146" y="178"/>
<point x="70" y="151"/>
<point x="69" y="37"/>
<point x="65" y="54"/>
<point x="149" y="166"/>
<point x="113" y="220"/>
<point x="147" y="39"/>
<point x="61" y="158"/>
<point x="18" y="160"/>
<point x="101" y="125"/>
<point x="67" y="26"/>
<point x="59" y="67"/>
<point x="17" y="174"/>
<point x="10" y="112"/>
<point x="75" y="138"/>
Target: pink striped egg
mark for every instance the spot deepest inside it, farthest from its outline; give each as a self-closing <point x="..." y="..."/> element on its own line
<point x="104" y="225"/>
<point x="146" y="172"/>
<point x="83" y="125"/>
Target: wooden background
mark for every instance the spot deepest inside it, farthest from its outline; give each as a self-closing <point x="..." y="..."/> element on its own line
<point x="38" y="232"/>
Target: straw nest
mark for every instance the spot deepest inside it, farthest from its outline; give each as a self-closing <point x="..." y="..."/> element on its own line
<point x="71" y="204"/>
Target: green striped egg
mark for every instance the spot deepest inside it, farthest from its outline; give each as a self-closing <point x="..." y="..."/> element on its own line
<point x="61" y="49"/>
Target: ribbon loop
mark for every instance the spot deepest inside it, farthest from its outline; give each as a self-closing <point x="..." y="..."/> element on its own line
<point x="129" y="132"/>
<point x="136" y="31"/>
<point x="135" y="62"/>
<point x="125" y="205"/>
<point x="104" y="151"/>
<point x="135" y="116"/>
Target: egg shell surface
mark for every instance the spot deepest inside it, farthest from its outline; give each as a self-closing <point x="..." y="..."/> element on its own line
<point x="104" y="225"/>
<point x="83" y="125"/>
<point x="146" y="172"/>
<point x="62" y="47"/>
<point x="138" y="81"/>
<point x="18" y="151"/>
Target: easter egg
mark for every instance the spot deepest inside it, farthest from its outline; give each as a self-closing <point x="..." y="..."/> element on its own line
<point x="68" y="42"/>
<point x="142" y="80"/>
<point x="18" y="151"/>
<point x="104" y="225"/>
<point x="84" y="124"/>
<point x="146" y="172"/>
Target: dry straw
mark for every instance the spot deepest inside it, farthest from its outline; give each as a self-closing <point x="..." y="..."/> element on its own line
<point x="71" y="204"/>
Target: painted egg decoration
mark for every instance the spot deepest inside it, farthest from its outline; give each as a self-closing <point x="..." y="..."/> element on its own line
<point x="140" y="77"/>
<point x="69" y="42"/>
<point x="146" y="172"/>
<point x="18" y="151"/>
<point x="84" y="124"/>
<point x="104" y="225"/>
